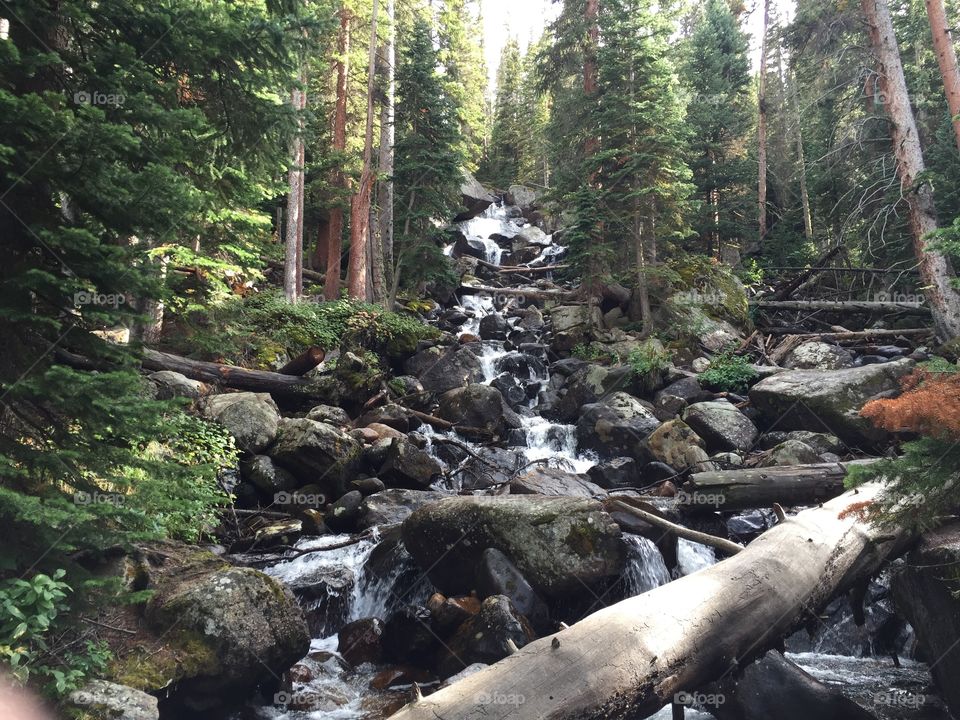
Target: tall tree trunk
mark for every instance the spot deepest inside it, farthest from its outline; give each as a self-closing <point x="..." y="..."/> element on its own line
<point x="294" y="239"/>
<point x="762" y="130"/>
<point x="331" y="286"/>
<point x="383" y="235"/>
<point x="590" y="72"/>
<point x="360" y="203"/>
<point x="801" y="161"/>
<point x="947" y="58"/>
<point x="935" y="269"/>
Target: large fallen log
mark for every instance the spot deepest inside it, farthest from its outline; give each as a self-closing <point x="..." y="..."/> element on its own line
<point x="784" y="292"/>
<point x="229" y="375"/>
<point x="851" y="335"/>
<point x="745" y="488"/>
<point x="630" y="659"/>
<point x="518" y="292"/>
<point x="846" y="306"/>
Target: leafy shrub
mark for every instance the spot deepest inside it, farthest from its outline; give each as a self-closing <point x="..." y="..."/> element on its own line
<point x="649" y="363"/>
<point x="729" y="373"/>
<point x="923" y="484"/>
<point x="588" y="352"/>
<point x="258" y="330"/>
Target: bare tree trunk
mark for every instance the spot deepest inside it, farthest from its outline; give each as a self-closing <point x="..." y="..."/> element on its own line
<point x="801" y="162"/>
<point x="331" y="287"/>
<point x="762" y="130"/>
<point x="630" y="659"/>
<point x="360" y="204"/>
<point x="383" y="235"/>
<point x="590" y="74"/>
<point x="947" y="58"/>
<point x="294" y="238"/>
<point x="935" y="269"/>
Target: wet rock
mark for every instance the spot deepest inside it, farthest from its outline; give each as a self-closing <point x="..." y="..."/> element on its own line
<point x="450" y="613"/>
<point x="407" y="636"/>
<point x="727" y="460"/>
<point x="559" y="544"/>
<point x="544" y="480"/>
<point x="816" y="355"/>
<point x="791" y="452"/>
<point x="476" y="198"/>
<point x="829" y="400"/>
<point x="687" y="388"/>
<point x="393" y="506"/>
<point x="408" y="466"/>
<point x="317" y="452"/>
<point x="499" y="576"/>
<point x="361" y="641"/>
<point x="587" y="385"/>
<point x="493" y="327"/>
<point x="513" y="392"/>
<point x="267" y="476"/>
<point x="491" y="466"/>
<point x="820" y="442"/>
<point x="383" y="432"/>
<point x="453" y="317"/>
<point x="668" y="407"/>
<point x="677" y="445"/>
<point x="172" y="384"/>
<point x="657" y="471"/>
<point x="391" y="415"/>
<point x="745" y="526"/>
<point x="478" y="406"/>
<point x="464" y="246"/>
<point x="927" y="591"/>
<point x="531" y="319"/>
<point x="368" y="486"/>
<point x="615" y="427"/>
<point x="241" y="627"/>
<point x="721" y="425"/>
<point x="487" y="637"/>
<point x="398" y="675"/>
<point x="524" y="197"/>
<point x="440" y="369"/>
<point x="570" y="324"/>
<point x="342" y="515"/>
<point x="252" y="418"/>
<point x="102" y="700"/>
<point x="329" y="414"/>
<point x="620" y="472"/>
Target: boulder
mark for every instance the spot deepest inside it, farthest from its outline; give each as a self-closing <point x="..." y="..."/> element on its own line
<point x="820" y="442"/>
<point x="721" y="425"/>
<point x="620" y="472"/>
<point x="252" y="418"/>
<point x="493" y="327"/>
<point x="790" y="452"/>
<point x="102" y="700"/>
<point x="560" y="544"/>
<point x="317" y="453"/>
<point x="408" y="466"/>
<point x="487" y="467"/>
<point x="358" y="378"/>
<point x="266" y="475"/>
<point x="499" y="576"/>
<point x="407" y="636"/>
<point x="587" y="384"/>
<point x="616" y="427"/>
<point x="545" y="480"/>
<point x="476" y="198"/>
<point x="926" y="590"/>
<point x="488" y="636"/>
<point x="478" y="406"/>
<point x="440" y="369"/>
<point x="393" y="506"/>
<point x="677" y="445"/>
<point x="342" y="515"/>
<point x="391" y="415"/>
<point x="361" y="641"/>
<point x="238" y="627"/>
<point x="172" y="384"/>
<point x="829" y="400"/>
<point x="450" y="613"/>
<point x="526" y="198"/>
<point x="329" y="414"/>
<point x="817" y="355"/>
<point x="571" y="324"/>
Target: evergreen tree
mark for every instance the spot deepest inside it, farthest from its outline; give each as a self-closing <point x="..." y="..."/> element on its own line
<point x="717" y="71"/>
<point x="507" y="133"/>
<point x="427" y="161"/>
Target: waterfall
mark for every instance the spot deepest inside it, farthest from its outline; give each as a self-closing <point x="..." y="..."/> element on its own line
<point x="646" y="569"/>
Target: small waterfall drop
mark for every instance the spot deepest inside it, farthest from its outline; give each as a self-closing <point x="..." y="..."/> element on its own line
<point x="646" y="569"/>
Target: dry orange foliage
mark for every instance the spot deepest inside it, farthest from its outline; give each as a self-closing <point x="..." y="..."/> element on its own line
<point x="859" y="510"/>
<point x="929" y="405"/>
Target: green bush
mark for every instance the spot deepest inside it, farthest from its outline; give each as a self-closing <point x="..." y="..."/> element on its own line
<point x="649" y="363"/>
<point x="729" y="373"/>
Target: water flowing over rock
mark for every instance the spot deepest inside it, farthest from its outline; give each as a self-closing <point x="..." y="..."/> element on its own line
<point x="828" y="400"/>
<point x="559" y="544"/>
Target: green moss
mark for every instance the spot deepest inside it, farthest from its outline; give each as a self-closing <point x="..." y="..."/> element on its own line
<point x="185" y="654"/>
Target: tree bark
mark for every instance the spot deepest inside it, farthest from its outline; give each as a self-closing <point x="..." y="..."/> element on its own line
<point x="630" y="659"/>
<point x="383" y="251"/>
<point x="747" y="488"/>
<point x="357" y="268"/>
<point x="801" y="162"/>
<point x="850" y="306"/>
<point x="293" y="253"/>
<point x="947" y="59"/>
<point x="331" y="286"/>
<point x="936" y="270"/>
<point x="762" y="130"/>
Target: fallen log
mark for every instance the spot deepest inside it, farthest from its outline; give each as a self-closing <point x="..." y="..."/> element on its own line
<point x="845" y="306"/>
<point x="632" y="658"/>
<point x="518" y="292"/>
<point x="851" y="334"/>
<point x="789" y="287"/>
<point x="229" y="375"/>
<point x="746" y="488"/>
<point x="520" y="268"/>
<point x="722" y="544"/>
<point x="304" y="362"/>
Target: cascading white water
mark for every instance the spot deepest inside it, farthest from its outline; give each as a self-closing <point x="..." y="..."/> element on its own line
<point x="558" y="443"/>
<point x="692" y="556"/>
<point x="646" y="569"/>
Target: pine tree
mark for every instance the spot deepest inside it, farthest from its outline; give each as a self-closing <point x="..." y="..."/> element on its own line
<point x="502" y="164"/>
<point x="427" y="161"/>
